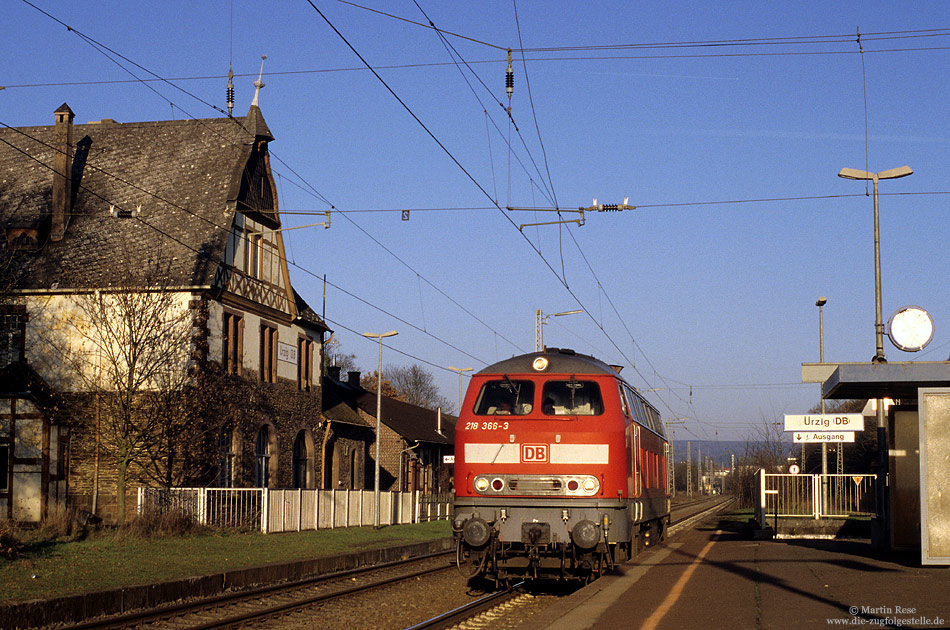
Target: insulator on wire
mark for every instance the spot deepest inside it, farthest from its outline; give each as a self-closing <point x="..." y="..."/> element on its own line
<point x="230" y="91"/>
<point x="509" y="78"/>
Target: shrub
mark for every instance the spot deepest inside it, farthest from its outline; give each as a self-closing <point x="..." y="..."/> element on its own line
<point x="9" y="540"/>
<point x="66" y="525"/>
<point x="154" y="524"/>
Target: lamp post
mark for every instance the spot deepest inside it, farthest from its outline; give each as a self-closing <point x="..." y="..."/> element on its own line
<point x="882" y="450"/>
<point x="821" y="358"/>
<point x="893" y="173"/>
<point x="379" y="412"/>
<point x="460" y="370"/>
<point x="540" y="320"/>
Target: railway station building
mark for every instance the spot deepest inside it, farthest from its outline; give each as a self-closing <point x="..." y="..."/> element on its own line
<point x="149" y="332"/>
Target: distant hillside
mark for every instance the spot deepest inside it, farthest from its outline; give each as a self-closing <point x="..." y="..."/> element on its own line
<point x="721" y="451"/>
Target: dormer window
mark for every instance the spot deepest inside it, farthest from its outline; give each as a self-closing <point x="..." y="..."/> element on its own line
<point x="23" y="239"/>
<point x="12" y="333"/>
<point x="255" y="252"/>
<point x="256" y="196"/>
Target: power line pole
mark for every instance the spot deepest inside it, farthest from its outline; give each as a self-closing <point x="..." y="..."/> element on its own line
<point x="689" y="469"/>
<point x="671" y="425"/>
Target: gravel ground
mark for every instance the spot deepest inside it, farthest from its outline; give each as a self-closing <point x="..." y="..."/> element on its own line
<point x="394" y="607"/>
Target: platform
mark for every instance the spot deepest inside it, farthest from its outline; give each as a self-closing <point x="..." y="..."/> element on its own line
<point x="709" y="577"/>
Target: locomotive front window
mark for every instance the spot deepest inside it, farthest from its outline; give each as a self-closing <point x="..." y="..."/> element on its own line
<point x="505" y="398"/>
<point x="571" y="398"/>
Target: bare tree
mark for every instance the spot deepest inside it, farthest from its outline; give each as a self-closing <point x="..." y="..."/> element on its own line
<point x="368" y="382"/>
<point x="130" y="349"/>
<point x="334" y="355"/>
<point x="767" y="449"/>
<point x="417" y="386"/>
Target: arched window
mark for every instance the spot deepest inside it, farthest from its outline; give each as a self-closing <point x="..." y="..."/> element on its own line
<point x="301" y="460"/>
<point x="225" y="458"/>
<point x="263" y="454"/>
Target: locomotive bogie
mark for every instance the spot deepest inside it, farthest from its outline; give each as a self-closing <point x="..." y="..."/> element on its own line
<point x="529" y="524"/>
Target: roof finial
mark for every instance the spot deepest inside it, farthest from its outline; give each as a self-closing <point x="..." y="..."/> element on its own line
<point x="259" y="84"/>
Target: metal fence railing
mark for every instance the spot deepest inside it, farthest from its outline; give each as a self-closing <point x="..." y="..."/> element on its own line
<point x="272" y="511"/>
<point x="814" y="496"/>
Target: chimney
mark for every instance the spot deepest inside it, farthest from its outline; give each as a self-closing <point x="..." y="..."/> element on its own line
<point x="333" y="371"/>
<point x="354" y="378"/>
<point x="62" y="171"/>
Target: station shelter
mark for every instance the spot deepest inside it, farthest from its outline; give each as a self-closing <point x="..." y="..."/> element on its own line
<point x="914" y="477"/>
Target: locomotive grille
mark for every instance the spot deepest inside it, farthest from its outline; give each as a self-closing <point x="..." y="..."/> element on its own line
<point x="538" y="485"/>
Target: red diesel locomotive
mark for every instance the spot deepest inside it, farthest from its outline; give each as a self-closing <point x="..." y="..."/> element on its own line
<point x="560" y="469"/>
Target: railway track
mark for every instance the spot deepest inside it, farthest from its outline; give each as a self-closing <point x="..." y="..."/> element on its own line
<point x="250" y="608"/>
<point x="509" y="609"/>
<point x="310" y="602"/>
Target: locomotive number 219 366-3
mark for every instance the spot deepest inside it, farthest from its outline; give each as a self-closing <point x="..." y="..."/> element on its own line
<point x="486" y="426"/>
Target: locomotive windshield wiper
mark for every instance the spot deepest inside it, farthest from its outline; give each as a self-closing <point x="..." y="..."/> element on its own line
<point x="515" y="389"/>
<point x="573" y="387"/>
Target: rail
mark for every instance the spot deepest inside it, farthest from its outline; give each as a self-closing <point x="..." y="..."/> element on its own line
<point x="273" y="511"/>
<point x="814" y="496"/>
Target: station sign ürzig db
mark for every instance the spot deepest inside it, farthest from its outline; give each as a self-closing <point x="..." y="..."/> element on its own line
<point x="829" y="427"/>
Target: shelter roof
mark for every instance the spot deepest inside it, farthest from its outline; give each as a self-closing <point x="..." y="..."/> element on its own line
<point x="885" y="380"/>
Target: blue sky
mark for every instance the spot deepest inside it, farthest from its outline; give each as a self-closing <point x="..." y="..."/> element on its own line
<point x="711" y="304"/>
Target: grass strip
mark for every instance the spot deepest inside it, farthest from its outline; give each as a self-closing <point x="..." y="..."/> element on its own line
<point x="45" y="570"/>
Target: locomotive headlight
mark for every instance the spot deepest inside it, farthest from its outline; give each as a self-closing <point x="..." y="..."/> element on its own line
<point x="590" y="485"/>
<point x="481" y="484"/>
<point x="540" y="364"/>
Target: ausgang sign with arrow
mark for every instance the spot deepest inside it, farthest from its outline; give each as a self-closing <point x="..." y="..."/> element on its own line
<point x="836" y="422"/>
<point x="801" y="437"/>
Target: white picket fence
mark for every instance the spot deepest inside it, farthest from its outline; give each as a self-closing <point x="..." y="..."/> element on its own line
<point x="273" y="511"/>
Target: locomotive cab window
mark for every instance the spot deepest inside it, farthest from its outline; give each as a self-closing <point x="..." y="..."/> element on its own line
<point x="571" y="398"/>
<point x="505" y="398"/>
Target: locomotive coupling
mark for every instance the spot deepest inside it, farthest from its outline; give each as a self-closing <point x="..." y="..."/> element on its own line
<point x="585" y="534"/>
<point x="476" y="532"/>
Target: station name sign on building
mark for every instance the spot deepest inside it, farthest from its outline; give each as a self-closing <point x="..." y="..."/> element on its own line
<point x="836" y="422"/>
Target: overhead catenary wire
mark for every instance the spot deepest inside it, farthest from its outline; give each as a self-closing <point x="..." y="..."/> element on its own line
<point x="496" y="195"/>
<point x="195" y="250"/>
<point x="316" y="193"/>
<point x="100" y="47"/>
<point x="408" y="66"/>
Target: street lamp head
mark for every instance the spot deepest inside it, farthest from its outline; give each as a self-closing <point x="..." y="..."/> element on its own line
<point x="894" y="173"/>
<point x="821" y="301"/>
<point x="891" y="173"/>
<point x="853" y="173"/>
<point x="391" y="333"/>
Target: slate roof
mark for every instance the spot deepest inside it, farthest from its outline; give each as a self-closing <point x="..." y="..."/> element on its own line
<point x="339" y="403"/>
<point x="306" y="316"/>
<point x="18" y="379"/>
<point x="416" y="424"/>
<point x="183" y="174"/>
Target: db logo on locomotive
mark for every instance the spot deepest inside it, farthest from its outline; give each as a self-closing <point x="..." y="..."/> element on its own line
<point x="534" y="453"/>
